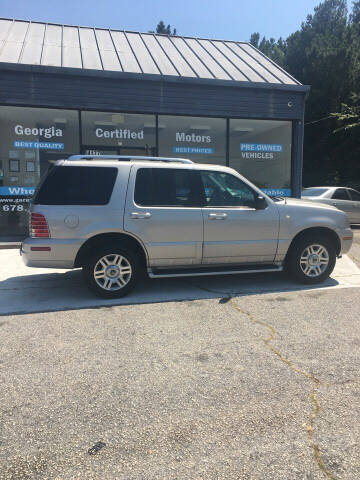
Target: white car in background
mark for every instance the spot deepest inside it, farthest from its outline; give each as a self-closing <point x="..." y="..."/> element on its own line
<point x="343" y="198"/>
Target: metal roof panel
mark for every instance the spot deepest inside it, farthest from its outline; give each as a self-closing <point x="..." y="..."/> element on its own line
<point x="238" y="53"/>
<point x="71" y="46"/>
<point x="162" y="61"/>
<point x="35" y="32"/>
<point x="231" y="68"/>
<point x="196" y="64"/>
<point x="18" y="31"/>
<point x="177" y="59"/>
<point x="31" y="53"/>
<point x="10" y="52"/>
<point x="110" y="61"/>
<point x="142" y="54"/>
<point x="71" y="57"/>
<point x="70" y="37"/>
<point x="5" y="26"/>
<point x="126" y="55"/>
<point x="104" y="39"/>
<point x="268" y="64"/>
<point x="53" y="35"/>
<point x="212" y="64"/>
<point x="51" y="55"/>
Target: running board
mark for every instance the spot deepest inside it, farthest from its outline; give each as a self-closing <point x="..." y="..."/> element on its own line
<point x="197" y="272"/>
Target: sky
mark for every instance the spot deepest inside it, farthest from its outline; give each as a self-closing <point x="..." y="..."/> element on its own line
<point x="224" y="19"/>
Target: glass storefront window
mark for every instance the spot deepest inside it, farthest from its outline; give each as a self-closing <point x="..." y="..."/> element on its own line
<point x="30" y="140"/>
<point x="261" y="151"/>
<point x="33" y="138"/>
<point x="118" y="133"/>
<point x="200" y="139"/>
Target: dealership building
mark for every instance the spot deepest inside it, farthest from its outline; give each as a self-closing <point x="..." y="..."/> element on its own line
<point x="67" y="89"/>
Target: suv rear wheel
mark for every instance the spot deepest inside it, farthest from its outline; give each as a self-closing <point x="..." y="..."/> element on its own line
<point x="311" y="259"/>
<point x="112" y="272"/>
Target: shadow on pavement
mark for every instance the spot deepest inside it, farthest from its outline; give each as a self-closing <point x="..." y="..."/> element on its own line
<point x="53" y="291"/>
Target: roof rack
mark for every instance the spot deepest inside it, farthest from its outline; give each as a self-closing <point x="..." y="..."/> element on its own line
<point x="127" y="158"/>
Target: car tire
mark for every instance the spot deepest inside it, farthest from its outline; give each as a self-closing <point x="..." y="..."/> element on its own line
<point x="311" y="259"/>
<point x="112" y="272"/>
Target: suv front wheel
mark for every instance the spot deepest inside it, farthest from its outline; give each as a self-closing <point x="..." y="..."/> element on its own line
<point x="311" y="259"/>
<point x="112" y="272"/>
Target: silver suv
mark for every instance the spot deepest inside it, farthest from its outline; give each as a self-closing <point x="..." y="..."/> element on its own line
<point x="120" y="217"/>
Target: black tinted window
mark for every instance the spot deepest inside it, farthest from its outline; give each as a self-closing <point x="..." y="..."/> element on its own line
<point x="225" y="190"/>
<point x="77" y="186"/>
<point x="165" y="187"/>
<point x="354" y="195"/>
<point x="340" y="194"/>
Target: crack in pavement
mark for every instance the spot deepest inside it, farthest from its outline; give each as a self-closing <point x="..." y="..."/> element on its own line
<point x="317" y="383"/>
<point x="313" y="395"/>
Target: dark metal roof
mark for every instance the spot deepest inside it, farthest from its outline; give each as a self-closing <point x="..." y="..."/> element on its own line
<point x="35" y="43"/>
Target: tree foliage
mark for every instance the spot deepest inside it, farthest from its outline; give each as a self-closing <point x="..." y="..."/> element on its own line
<point x="349" y="116"/>
<point x="325" y="54"/>
<point x="166" y="30"/>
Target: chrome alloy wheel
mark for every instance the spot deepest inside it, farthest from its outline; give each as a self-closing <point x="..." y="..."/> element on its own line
<point x="112" y="272"/>
<point x="314" y="260"/>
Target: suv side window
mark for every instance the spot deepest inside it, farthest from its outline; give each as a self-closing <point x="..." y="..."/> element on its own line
<point x="166" y="187"/>
<point x="340" y="194"/>
<point x="354" y="195"/>
<point x="225" y="190"/>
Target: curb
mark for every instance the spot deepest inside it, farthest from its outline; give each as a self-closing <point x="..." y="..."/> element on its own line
<point x="9" y="245"/>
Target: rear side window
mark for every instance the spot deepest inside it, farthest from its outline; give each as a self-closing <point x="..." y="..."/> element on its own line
<point x="313" y="192"/>
<point x="166" y="187"/>
<point x="340" y="194"/>
<point x="77" y="186"/>
<point x="354" y="195"/>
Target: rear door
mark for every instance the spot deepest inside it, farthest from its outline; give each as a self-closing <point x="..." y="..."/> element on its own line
<point x="355" y="197"/>
<point x="162" y="210"/>
<point x="235" y="232"/>
<point x="76" y="199"/>
<point x="341" y="200"/>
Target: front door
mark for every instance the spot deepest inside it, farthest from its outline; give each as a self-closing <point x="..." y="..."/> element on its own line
<point x="163" y="211"/>
<point x="341" y="200"/>
<point x="235" y="232"/>
<point x="355" y="197"/>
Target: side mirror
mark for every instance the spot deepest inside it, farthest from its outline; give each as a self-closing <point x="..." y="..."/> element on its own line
<point x="260" y="202"/>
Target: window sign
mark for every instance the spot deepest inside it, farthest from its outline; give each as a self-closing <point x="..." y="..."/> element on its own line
<point x="199" y="139"/>
<point x="261" y="151"/>
<point x="126" y="133"/>
<point x="30" y="140"/>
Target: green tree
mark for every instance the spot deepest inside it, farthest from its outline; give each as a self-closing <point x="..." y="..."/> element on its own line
<point x="325" y="54"/>
<point x="166" y="30"/>
<point x="349" y="116"/>
<point x="254" y="39"/>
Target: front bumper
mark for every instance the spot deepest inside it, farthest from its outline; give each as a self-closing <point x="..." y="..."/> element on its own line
<point x="57" y="253"/>
<point x="346" y="237"/>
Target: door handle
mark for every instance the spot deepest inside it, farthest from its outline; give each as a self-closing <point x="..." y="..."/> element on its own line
<point x="136" y="215"/>
<point x="217" y="216"/>
<point x="335" y="204"/>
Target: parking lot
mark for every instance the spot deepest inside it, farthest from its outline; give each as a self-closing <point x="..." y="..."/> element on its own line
<point x="239" y="377"/>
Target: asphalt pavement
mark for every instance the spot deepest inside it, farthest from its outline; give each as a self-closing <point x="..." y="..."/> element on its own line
<point x="206" y="379"/>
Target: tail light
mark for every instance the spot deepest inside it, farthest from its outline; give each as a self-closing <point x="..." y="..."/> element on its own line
<point x="38" y="226"/>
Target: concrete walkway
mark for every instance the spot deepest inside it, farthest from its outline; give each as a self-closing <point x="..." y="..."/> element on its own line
<point x="29" y="290"/>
